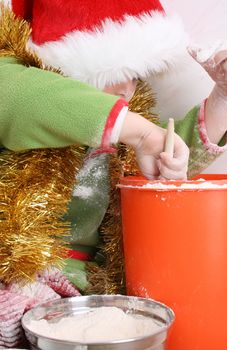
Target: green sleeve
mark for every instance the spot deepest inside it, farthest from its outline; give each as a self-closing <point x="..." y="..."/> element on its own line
<point x="42" y="109"/>
<point x="200" y="157"/>
<point x="89" y="203"/>
<point x="75" y="271"/>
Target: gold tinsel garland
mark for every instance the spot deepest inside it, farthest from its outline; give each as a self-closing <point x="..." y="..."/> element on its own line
<point x="35" y="186"/>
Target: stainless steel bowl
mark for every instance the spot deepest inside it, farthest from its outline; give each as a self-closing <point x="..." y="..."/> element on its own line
<point x="55" y="310"/>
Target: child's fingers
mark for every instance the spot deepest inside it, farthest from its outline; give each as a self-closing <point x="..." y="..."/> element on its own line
<point x="203" y="57"/>
<point x="213" y="60"/>
<point x="209" y="55"/>
<point x="148" y="166"/>
<point x="175" y="164"/>
<point x="169" y="174"/>
<point x="172" y="168"/>
<point x="220" y="57"/>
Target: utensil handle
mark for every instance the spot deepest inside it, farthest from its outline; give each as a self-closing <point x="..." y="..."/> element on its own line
<point x="169" y="142"/>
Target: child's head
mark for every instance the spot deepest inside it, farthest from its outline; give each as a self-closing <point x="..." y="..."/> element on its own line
<point x="104" y="43"/>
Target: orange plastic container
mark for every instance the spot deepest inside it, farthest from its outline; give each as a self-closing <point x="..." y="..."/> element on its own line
<point x="175" y="244"/>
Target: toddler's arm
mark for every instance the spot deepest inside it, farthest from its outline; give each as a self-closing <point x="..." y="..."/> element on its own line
<point x="42" y="109"/>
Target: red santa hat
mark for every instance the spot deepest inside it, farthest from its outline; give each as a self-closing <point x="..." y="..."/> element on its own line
<point x="103" y="42"/>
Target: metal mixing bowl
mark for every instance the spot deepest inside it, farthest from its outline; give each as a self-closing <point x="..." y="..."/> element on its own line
<point x="53" y="311"/>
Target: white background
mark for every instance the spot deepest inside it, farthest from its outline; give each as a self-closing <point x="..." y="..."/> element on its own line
<point x="206" y="21"/>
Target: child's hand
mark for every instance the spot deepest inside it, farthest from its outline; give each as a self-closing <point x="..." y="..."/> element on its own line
<point x="215" y="65"/>
<point x="215" y="115"/>
<point x="148" y="141"/>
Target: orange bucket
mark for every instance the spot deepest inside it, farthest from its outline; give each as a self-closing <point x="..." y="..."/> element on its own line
<point x="175" y="245"/>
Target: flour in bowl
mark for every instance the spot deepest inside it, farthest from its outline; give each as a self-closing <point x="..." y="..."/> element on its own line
<point x="102" y="324"/>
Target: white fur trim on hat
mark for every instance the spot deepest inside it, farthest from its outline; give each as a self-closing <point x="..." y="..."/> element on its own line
<point x="117" y="52"/>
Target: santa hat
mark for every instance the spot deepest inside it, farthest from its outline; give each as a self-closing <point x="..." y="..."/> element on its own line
<point x="103" y="42"/>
